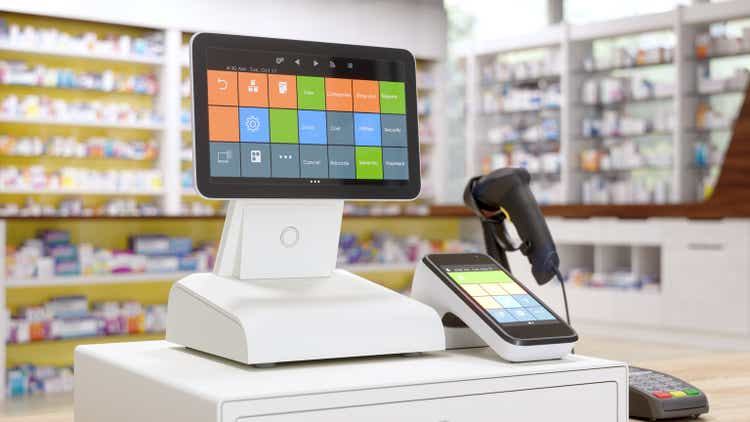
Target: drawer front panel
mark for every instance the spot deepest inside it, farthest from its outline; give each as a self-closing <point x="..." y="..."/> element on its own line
<point x="595" y="402"/>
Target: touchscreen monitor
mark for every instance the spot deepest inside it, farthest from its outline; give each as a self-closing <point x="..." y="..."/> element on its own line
<point x="279" y="118"/>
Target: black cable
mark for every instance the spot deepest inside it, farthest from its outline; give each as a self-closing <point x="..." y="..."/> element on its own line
<point x="565" y="301"/>
<point x="565" y="295"/>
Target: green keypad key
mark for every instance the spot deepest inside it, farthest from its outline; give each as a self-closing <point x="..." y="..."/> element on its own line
<point x="691" y="392"/>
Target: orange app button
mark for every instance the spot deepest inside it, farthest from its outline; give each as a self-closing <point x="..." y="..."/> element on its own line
<point x="366" y="96"/>
<point x="223" y="124"/>
<point x="253" y="88"/>
<point x="339" y="94"/>
<point x="282" y="91"/>
<point x="222" y="87"/>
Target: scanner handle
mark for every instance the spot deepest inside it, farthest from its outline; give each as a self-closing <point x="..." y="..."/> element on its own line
<point x="507" y="190"/>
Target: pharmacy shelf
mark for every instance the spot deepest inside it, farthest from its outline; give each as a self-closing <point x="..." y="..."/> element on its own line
<point x="60" y="352"/>
<point x="90" y="340"/>
<point x="626" y="102"/>
<point x="61" y="52"/>
<point x="435" y="211"/>
<point x="65" y="157"/>
<point x="81" y="123"/>
<point x="607" y="69"/>
<point x="380" y="268"/>
<point x="731" y="91"/>
<point x="501" y="113"/>
<point x="724" y="55"/>
<point x="679" y="28"/>
<point x="627" y="136"/>
<point x="171" y="277"/>
<point x="96" y="279"/>
<point x="97" y="192"/>
<point x="709" y="130"/>
<point x="619" y="171"/>
<point x="520" y="81"/>
<point x="73" y="88"/>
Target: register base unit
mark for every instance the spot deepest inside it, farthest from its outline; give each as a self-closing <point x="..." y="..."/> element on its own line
<point x="161" y="381"/>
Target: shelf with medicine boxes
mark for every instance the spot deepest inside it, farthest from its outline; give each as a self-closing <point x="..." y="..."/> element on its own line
<point x="17" y="42"/>
<point x="516" y="103"/>
<point x="722" y="50"/>
<point x="20" y="73"/>
<point x="626" y="89"/>
<point x="643" y="104"/>
<point x="82" y="120"/>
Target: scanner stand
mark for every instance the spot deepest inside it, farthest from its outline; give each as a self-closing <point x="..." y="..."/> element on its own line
<point x="275" y="295"/>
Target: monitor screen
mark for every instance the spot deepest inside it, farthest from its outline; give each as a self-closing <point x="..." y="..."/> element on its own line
<point x="283" y="118"/>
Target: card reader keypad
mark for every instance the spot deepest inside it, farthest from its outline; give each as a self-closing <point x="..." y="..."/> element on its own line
<point x="660" y="385"/>
<point x="655" y="395"/>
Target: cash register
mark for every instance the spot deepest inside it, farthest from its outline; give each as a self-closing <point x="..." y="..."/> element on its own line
<point x="287" y="130"/>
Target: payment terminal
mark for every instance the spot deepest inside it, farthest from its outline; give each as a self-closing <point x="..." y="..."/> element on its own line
<point x="500" y="310"/>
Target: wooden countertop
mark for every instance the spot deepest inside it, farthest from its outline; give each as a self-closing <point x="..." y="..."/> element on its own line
<point x="723" y="376"/>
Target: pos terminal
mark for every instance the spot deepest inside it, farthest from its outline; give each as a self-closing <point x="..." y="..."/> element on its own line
<point x="288" y="130"/>
<point x="298" y="127"/>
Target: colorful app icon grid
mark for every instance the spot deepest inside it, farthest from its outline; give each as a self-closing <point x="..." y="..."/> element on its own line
<point x="320" y="128"/>
<point x="501" y="296"/>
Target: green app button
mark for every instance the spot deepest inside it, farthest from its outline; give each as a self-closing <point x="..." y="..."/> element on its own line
<point x="369" y="162"/>
<point x="480" y="277"/>
<point x="311" y="93"/>
<point x="283" y="125"/>
<point x="392" y="97"/>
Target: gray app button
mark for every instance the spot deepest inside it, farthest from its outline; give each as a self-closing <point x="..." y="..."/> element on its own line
<point x="395" y="164"/>
<point x="285" y="160"/>
<point x="314" y="161"/>
<point x="225" y="159"/>
<point x="256" y="160"/>
<point x="393" y="128"/>
<point x="340" y="128"/>
<point x="341" y="162"/>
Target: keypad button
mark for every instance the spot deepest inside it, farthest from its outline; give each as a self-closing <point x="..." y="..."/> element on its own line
<point x="661" y="395"/>
<point x="692" y="392"/>
<point x="678" y="393"/>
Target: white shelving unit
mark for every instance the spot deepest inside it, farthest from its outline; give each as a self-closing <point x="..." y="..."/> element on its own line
<point x="93" y="192"/>
<point x="170" y="277"/>
<point x="579" y="42"/>
<point x="82" y="123"/>
<point x="48" y="51"/>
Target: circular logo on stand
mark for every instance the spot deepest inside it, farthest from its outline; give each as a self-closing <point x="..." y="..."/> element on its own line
<point x="252" y="123"/>
<point x="289" y="236"/>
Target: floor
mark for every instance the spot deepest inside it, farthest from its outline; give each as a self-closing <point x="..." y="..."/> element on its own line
<point x="724" y="376"/>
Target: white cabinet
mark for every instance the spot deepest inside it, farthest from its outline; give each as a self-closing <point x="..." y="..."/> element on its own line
<point x="706" y="277"/>
<point x="703" y="268"/>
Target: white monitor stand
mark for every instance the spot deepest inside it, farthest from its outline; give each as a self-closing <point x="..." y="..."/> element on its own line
<point x="275" y="294"/>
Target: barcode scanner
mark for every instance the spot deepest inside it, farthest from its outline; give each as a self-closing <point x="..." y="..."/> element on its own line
<point x="505" y="194"/>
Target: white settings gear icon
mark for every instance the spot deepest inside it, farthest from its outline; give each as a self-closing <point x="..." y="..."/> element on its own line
<point x="252" y="123"/>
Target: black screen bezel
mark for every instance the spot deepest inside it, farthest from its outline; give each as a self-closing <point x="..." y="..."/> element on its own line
<point x="519" y="335"/>
<point x="221" y="188"/>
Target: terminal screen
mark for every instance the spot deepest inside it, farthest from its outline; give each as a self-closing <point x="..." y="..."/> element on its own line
<point x="291" y="117"/>
<point x="499" y="295"/>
